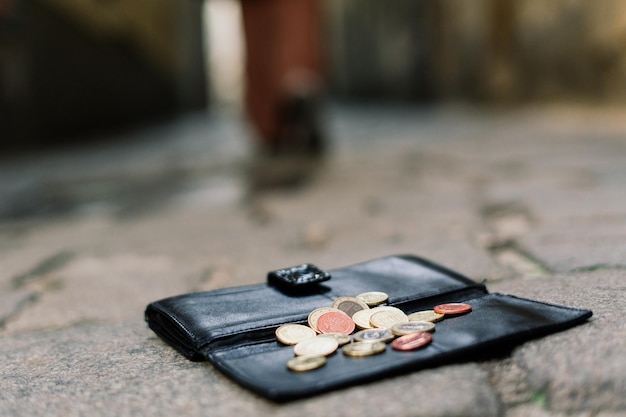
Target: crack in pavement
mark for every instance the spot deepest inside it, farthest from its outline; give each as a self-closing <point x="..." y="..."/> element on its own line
<point x="28" y="287"/>
<point x="506" y="222"/>
<point x="20" y="306"/>
<point x="510" y="253"/>
<point x="598" y="267"/>
<point x="43" y="268"/>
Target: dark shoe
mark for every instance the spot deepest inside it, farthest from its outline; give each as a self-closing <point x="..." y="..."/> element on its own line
<point x="296" y="154"/>
<point x="301" y="131"/>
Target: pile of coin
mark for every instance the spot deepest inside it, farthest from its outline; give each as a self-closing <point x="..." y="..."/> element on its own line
<point x="332" y="327"/>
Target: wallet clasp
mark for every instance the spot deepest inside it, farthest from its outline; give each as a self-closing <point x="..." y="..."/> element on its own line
<point x="297" y="277"/>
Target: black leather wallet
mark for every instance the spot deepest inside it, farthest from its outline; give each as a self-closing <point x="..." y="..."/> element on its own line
<point x="233" y="328"/>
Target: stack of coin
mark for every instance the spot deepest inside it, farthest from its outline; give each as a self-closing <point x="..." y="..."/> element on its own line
<point x="315" y="315"/>
<point x="387" y="318"/>
<point x="330" y="327"/>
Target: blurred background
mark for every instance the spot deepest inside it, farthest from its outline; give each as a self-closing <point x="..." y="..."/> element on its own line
<point x="73" y="67"/>
<point x="163" y="73"/>
<point x="157" y="147"/>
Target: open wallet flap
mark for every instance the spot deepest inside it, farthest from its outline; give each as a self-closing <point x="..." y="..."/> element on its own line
<point x="234" y="328"/>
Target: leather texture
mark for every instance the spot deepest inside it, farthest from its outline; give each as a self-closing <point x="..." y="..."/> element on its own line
<point x="233" y="328"/>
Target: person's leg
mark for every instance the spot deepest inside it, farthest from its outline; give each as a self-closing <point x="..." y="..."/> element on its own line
<point x="283" y="72"/>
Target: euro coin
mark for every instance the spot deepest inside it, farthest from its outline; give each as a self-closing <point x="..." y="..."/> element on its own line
<point x="387" y="318"/>
<point x="412" y="341"/>
<point x="360" y="349"/>
<point x="373" y="298"/>
<point x="333" y="322"/>
<point x="362" y="318"/>
<point x="453" y="308"/>
<point x="315" y="315"/>
<point x="341" y="338"/>
<point x="350" y="305"/>
<point x="290" y="334"/>
<point x="401" y="329"/>
<point x="426" y="315"/>
<point x="316" y="346"/>
<point x="374" y="335"/>
<point x="306" y="363"/>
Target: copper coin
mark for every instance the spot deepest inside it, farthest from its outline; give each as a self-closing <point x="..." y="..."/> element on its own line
<point x="412" y="341"/>
<point x="333" y="322"/>
<point x="350" y="305"/>
<point x="453" y="308"/>
<point x="315" y="315"/>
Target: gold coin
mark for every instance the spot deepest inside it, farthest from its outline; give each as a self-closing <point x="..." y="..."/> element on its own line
<point x="341" y="338"/>
<point x="362" y="318"/>
<point x="401" y="329"/>
<point x="350" y="305"/>
<point x="306" y="363"/>
<point x="387" y="318"/>
<point x="373" y="298"/>
<point x="316" y="346"/>
<point x="290" y="334"/>
<point x="374" y="335"/>
<point x="426" y="315"/>
<point x="315" y="315"/>
<point x="359" y="349"/>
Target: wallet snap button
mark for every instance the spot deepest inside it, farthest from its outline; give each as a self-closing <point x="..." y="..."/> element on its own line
<point x="300" y="276"/>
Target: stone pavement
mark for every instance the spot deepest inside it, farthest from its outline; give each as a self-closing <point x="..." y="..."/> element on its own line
<point x="533" y="201"/>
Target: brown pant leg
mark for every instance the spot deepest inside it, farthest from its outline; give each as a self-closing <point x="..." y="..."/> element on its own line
<point x="282" y="48"/>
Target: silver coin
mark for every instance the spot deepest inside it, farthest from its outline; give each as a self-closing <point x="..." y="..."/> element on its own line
<point x="373" y="298"/>
<point x="374" y="335"/>
<point x="401" y="329"/>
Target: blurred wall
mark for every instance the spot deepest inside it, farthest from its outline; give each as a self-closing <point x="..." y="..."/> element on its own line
<point x="478" y="50"/>
<point x="70" y="67"/>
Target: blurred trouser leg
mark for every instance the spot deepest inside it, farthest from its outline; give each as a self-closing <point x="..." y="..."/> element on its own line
<point x="283" y="73"/>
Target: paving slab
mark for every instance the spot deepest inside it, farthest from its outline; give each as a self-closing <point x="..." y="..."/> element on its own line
<point x="528" y="200"/>
<point x="122" y="369"/>
<point x="584" y="368"/>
